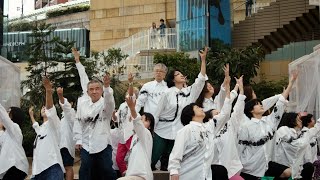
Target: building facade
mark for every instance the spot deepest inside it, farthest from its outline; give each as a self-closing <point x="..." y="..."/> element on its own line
<point x="112" y="21"/>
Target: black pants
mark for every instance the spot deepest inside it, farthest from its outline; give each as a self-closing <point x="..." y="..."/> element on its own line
<point x="307" y="171"/>
<point x="219" y="172"/>
<point x="275" y="170"/>
<point x="14" y="173"/>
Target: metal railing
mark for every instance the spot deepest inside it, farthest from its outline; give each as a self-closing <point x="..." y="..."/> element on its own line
<point x="145" y="40"/>
<point x="148" y="40"/>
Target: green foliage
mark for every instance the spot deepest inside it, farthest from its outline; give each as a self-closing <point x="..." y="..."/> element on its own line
<point x="242" y="62"/>
<point x="47" y="57"/>
<point x="190" y="67"/>
<point x="265" y="89"/>
<point x="69" y="10"/>
<point x="111" y="61"/>
<point x="21" y="25"/>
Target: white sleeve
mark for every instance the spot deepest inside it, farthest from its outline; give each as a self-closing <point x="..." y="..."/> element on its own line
<point x="142" y="98"/>
<point x="177" y="152"/>
<point x="274" y="118"/>
<point x="53" y="118"/>
<point x="77" y="128"/>
<point x="36" y="127"/>
<point x="238" y="111"/>
<point x="69" y="113"/>
<point x="84" y="80"/>
<point x="224" y="115"/>
<point x="140" y="129"/>
<point x="197" y="87"/>
<point x="109" y="103"/>
<point x="269" y="102"/>
<point x="219" y="99"/>
<point x="9" y="125"/>
<point x="243" y="137"/>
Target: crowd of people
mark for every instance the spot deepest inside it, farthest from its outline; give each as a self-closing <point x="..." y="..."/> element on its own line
<point x="168" y="125"/>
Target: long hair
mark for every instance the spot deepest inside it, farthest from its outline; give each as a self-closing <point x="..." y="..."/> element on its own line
<point x="150" y="118"/>
<point x="201" y="97"/>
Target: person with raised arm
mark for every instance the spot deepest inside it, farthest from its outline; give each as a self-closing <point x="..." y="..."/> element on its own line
<point x="14" y="163"/>
<point x="67" y="144"/>
<point x="47" y="161"/>
<point x="92" y="127"/>
<point x="141" y="147"/>
<point x="192" y="154"/>
<point x="170" y="106"/>
<point x="255" y="137"/>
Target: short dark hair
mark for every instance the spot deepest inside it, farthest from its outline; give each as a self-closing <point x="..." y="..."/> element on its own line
<point x="17" y="115"/>
<point x="306" y="120"/>
<point x="150" y="118"/>
<point x="249" y="107"/>
<point x="289" y="120"/>
<point x="187" y="114"/>
<point x="161" y="20"/>
<point x="170" y="78"/>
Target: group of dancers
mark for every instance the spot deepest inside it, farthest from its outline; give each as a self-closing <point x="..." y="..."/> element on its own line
<point x="189" y="131"/>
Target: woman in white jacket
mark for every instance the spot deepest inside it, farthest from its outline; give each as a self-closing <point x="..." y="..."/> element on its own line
<point x="14" y="163"/>
<point x="141" y="146"/>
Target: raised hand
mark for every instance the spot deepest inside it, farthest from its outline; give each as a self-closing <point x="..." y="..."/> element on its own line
<point x="31" y="113"/>
<point x="106" y="80"/>
<point x="294" y="76"/>
<point x="76" y="54"/>
<point x="60" y="91"/>
<point x="60" y="94"/>
<point x="203" y="53"/>
<point x="240" y="83"/>
<point x="130" y="77"/>
<point x="46" y="83"/>
<point x="131" y="104"/>
<point x="226" y="70"/>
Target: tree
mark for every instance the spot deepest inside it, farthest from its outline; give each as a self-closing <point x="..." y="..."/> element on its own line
<point x="242" y="62"/>
<point x="111" y="61"/>
<point x="190" y="67"/>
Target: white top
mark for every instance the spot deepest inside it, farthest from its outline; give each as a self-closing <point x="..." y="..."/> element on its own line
<point x="46" y="150"/>
<point x="116" y="136"/>
<point x="11" y="151"/>
<point x="291" y="146"/>
<point x="140" y="152"/>
<point x="255" y="140"/>
<point x="123" y="115"/>
<point x="167" y="118"/>
<point x="92" y="127"/>
<point x="192" y="152"/>
<point x="225" y="147"/>
<point x="217" y="103"/>
<point x="149" y="96"/>
<point x="311" y="152"/>
<point x="66" y="127"/>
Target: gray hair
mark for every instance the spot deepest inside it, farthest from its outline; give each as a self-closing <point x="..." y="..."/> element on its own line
<point x="95" y="80"/>
<point x="162" y="66"/>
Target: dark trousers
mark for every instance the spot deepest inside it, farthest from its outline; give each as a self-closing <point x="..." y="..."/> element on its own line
<point x="219" y="172"/>
<point x="14" y="173"/>
<point x="161" y="148"/>
<point x="307" y="171"/>
<point x="97" y="166"/>
<point x="54" y="172"/>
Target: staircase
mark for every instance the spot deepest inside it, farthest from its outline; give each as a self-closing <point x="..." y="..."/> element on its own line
<point x="282" y="22"/>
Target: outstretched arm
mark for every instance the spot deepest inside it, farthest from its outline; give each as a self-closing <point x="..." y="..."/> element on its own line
<point x="81" y="70"/>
